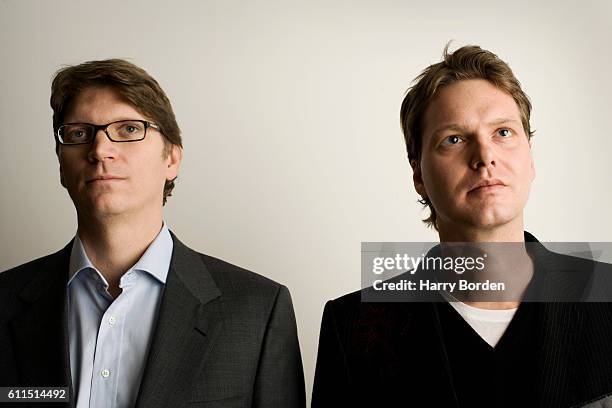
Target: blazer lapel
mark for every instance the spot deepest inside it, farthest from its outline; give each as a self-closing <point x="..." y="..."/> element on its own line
<point x="40" y="329"/>
<point x="187" y="323"/>
<point x="559" y="330"/>
<point x="573" y="363"/>
<point x="559" y="324"/>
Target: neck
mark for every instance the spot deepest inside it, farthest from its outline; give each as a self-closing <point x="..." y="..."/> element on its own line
<point x="508" y="261"/>
<point x="115" y="244"/>
<point x="512" y="231"/>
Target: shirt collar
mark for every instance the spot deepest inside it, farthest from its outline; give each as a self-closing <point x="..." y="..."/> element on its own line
<point x="78" y="259"/>
<point x="155" y="261"/>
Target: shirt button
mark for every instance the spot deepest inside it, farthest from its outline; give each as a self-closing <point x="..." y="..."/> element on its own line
<point x="105" y="373"/>
<point x="112" y="320"/>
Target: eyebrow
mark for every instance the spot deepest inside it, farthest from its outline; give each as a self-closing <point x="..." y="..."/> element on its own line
<point x="459" y="128"/>
<point x="121" y="119"/>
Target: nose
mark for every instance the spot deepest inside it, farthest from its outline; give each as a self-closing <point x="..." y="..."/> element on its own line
<point x="483" y="154"/>
<point x="102" y="148"/>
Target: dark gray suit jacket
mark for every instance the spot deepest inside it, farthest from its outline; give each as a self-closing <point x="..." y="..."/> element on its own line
<point x="225" y="337"/>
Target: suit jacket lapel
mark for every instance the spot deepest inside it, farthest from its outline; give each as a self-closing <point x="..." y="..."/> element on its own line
<point x="559" y="330"/>
<point x="569" y="342"/>
<point x="559" y="324"/>
<point x="187" y="323"/>
<point x="40" y="330"/>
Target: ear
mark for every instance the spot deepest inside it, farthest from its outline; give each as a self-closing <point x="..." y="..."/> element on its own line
<point x="533" y="170"/>
<point x="417" y="178"/>
<point x="61" y="173"/>
<point x="173" y="162"/>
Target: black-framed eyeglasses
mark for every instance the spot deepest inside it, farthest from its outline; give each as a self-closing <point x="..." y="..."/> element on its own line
<point x="119" y="131"/>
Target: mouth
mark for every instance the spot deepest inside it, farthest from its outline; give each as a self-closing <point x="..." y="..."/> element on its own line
<point x="487" y="186"/>
<point x="104" y="179"/>
<point x="484" y="189"/>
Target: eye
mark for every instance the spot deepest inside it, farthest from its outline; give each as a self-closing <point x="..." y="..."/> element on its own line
<point x="451" y="140"/>
<point x="504" y="132"/>
<point x="126" y="130"/>
<point x="74" y="133"/>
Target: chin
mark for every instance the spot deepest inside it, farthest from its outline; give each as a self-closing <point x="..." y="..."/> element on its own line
<point x="486" y="217"/>
<point x="106" y="207"/>
<point x="489" y="220"/>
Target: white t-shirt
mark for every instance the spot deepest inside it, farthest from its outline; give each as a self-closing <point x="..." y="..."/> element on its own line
<point x="488" y="323"/>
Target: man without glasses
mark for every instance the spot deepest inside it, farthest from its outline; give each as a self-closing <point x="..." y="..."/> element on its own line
<point x="467" y="131"/>
<point x="126" y="315"/>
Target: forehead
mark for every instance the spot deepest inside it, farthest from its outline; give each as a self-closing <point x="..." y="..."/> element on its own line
<point x="468" y="103"/>
<point x="99" y="105"/>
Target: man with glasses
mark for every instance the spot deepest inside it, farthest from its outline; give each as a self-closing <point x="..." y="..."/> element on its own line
<point x="126" y="315"/>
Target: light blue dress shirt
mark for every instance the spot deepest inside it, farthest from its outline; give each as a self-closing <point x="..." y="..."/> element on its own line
<point x="110" y="339"/>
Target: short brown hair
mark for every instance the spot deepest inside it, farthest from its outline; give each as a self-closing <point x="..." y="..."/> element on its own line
<point x="132" y="83"/>
<point x="469" y="62"/>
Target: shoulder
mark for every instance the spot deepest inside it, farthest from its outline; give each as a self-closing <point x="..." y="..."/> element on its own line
<point x="202" y="271"/>
<point x="377" y="298"/>
<point x="19" y="276"/>
<point x="245" y="297"/>
<point x="566" y="261"/>
<point x="240" y="292"/>
<point x="346" y="305"/>
<point x="232" y="278"/>
<point x="574" y="256"/>
<point x="30" y="278"/>
<point x="353" y="310"/>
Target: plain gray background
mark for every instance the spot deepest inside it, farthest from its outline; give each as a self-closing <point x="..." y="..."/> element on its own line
<point x="289" y="113"/>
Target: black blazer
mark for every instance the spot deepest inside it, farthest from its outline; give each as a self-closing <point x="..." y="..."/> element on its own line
<point x="392" y="354"/>
<point x="225" y="337"/>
